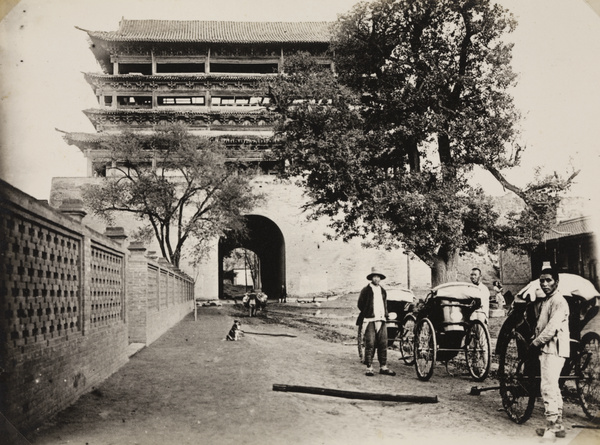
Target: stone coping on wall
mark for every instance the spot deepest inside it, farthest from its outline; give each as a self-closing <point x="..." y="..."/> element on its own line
<point x="10" y="196"/>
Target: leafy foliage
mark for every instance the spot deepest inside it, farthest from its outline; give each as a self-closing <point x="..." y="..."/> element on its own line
<point x="386" y="145"/>
<point x="243" y="258"/>
<point x="177" y="184"/>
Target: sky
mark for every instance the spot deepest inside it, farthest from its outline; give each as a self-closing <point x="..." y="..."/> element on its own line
<point x="43" y="56"/>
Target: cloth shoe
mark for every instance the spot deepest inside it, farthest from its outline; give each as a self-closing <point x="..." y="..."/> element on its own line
<point x="559" y="429"/>
<point x="369" y="372"/>
<point x="552" y="430"/>
<point x="386" y="371"/>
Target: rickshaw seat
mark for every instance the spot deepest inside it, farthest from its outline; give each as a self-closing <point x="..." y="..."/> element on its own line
<point x="451" y="304"/>
<point x="581" y="311"/>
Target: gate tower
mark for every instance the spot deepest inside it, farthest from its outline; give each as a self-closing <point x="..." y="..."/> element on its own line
<point x="207" y="75"/>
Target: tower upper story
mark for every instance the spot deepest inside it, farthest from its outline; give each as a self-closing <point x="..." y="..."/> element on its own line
<point x="207" y="75"/>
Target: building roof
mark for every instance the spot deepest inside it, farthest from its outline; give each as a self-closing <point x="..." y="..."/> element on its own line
<point x="198" y="31"/>
<point x="569" y="227"/>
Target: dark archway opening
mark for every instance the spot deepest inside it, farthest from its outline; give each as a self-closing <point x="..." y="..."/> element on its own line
<point x="265" y="239"/>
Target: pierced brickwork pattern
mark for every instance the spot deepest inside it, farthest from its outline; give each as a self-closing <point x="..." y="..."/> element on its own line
<point x="172" y="289"/>
<point x="163" y="288"/>
<point x="39" y="280"/>
<point x="106" y="288"/>
<point x="152" y="287"/>
<point x="178" y="291"/>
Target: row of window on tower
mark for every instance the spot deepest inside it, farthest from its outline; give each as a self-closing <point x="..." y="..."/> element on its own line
<point x="145" y="69"/>
<point x="127" y="101"/>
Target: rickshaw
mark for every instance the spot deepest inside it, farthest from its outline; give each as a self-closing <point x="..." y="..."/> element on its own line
<point x="254" y="301"/>
<point x="400" y="325"/>
<point x="519" y="369"/>
<point x="444" y="328"/>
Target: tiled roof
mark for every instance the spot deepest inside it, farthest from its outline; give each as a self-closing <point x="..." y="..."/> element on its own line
<point x="197" y="31"/>
<point x="570" y="227"/>
<point x="74" y="138"/>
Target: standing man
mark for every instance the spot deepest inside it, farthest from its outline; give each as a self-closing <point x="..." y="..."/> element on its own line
<point x="551" y="343"/>
<point x="373" y="313"/>
<point x="484" y="311"/>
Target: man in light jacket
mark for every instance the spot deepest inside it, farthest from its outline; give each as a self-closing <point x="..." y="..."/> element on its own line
<point x="551" y="342"/>
<point x="372" y="303"/>
<point x="483" y="312"/>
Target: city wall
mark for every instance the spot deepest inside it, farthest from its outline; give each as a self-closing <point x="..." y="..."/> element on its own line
<point x="314" y="263"/>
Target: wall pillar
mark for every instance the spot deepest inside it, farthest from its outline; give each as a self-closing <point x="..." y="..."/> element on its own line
<point x="73" y="208"/>
<point x="116" y="234"/>
<point x="137" y="295"/>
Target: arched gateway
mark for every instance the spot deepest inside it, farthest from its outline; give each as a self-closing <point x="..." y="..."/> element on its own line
<point x="266" y="240"/>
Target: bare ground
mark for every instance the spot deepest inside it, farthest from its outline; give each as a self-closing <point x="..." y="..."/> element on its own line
<point x="192" y="387"/>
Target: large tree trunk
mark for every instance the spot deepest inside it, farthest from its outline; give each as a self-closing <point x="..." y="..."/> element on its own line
<point x="445" y="267"/>
<point x="414" y="157"/>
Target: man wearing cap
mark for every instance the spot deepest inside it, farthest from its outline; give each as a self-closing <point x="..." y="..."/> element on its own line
<point x="551" y="343"/>
<point x="373" y="314"/>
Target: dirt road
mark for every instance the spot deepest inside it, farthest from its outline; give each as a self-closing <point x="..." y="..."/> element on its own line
<point x="192" y="387"/>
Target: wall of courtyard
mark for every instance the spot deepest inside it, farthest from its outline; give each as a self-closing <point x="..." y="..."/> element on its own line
<point x="70" y="306"/>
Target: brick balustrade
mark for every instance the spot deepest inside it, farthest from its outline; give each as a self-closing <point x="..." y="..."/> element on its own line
<point x="159" y="295"/>
<point x="71" y="302"/>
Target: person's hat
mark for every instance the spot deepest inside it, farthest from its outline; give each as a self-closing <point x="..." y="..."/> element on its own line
<point x="548" y="267"/>
<point x="374" y="271"/>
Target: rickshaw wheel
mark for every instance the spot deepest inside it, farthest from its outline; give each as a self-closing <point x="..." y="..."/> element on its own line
<point x="425" y="349"/>
<point x="517" y="379"/>
<point x="588" y="385"/>
<point x="477" y="351"/>
<point x="406" y="339"/>
<point x="361" y="344"/>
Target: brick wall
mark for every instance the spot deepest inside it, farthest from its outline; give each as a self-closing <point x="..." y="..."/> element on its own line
<point x="62" y="317"/>
<point x="516" y="271"/>
<point x="71" y="301"/>
<point x="159" y="295"/>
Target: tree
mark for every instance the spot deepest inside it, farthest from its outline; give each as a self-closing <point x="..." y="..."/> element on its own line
<point x="248" y="259"/>
<point x="179" y="185"/>
<point x="386" y="146"/>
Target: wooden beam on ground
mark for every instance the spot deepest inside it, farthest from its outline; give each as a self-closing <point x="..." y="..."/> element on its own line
<point x="355" y="394"/>
<point x="269" y="334"/>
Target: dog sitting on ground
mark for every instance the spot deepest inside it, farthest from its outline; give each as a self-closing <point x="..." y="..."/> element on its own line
<point x="235" y="332"/>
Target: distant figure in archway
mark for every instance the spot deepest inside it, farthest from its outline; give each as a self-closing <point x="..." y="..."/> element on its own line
<point x="283" y="298"/>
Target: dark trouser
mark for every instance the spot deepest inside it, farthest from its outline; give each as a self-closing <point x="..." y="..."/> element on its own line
<point x="376" y="340"/>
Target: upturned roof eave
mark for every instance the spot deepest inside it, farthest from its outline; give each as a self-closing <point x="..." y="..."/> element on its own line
<point x="86" y="141"/>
